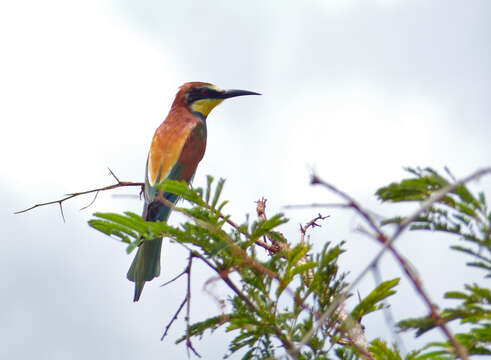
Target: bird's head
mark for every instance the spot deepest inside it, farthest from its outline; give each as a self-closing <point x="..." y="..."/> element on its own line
<point x="200" y="98"/>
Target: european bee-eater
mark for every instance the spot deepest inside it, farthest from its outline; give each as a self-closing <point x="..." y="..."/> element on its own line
<point x="177" y="147"/>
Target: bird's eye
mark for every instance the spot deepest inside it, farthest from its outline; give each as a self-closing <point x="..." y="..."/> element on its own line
<point x="204" y="91"/>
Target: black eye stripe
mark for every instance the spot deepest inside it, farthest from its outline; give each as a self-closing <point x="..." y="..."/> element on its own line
<point x="202" y="93"/>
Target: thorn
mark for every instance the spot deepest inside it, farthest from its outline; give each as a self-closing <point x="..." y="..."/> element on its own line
<point x="93" y="200"/>
<point x="61" y="210"/>
<point x="113" y="175"/>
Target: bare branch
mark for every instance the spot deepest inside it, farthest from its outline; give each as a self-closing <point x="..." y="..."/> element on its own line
<point x="312" y="223"/>
<point x="72" y="195"/>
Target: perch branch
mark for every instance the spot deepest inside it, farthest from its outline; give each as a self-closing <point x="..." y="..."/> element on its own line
<point x="118" y="184"/>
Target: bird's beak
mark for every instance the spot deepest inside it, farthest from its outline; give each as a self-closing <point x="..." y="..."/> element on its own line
<point x="233" y="93"/>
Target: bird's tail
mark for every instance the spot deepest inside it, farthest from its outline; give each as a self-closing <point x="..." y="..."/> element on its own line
<point x="145" y="265"/>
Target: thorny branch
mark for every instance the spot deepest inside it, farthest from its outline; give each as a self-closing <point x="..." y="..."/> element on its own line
<point x="387" y="244"/>
<point x="186" y="301"/>
<point x="174" y="318"/>
<point x="189" y="345"/>
<point x="96" y="191"/>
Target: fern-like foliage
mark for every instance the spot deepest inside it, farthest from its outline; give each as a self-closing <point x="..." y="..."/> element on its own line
<point x="466" y="216"/>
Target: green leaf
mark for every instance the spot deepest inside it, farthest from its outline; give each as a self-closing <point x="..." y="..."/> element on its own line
<point x="182" y="189"/>
<point x="382" y="351"/>
<point x="300" y="269"/>
<point x="263" y="227"/>
<point x="209" y="181"/>
<point x="370" y="302"/>
<point x="108" y="228"/>
<point x="211" y="324"/>
<point x="218" y="191"/>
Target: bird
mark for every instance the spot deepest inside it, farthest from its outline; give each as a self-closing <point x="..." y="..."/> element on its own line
<point x="177" y="147"/>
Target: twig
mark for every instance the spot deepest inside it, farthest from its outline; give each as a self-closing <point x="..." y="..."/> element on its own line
<point x="187" y="301"/>
<point x="187" y="298"/>
<point x="175" y="277"/>
<point x="220" y="302"/>
<point x="174" y="318"/>
<point x="312" y="223"/>
<point x="113" y="175"/>
<point x="350" y="201"/>
<point x="261" y="214"/>
<point x="189" y="345"/>
<point x="72" y="195"/>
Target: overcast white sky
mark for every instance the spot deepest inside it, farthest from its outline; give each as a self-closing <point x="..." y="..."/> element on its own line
<point x="354" y="89"/>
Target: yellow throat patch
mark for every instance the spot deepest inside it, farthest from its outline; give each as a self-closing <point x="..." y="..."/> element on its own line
<point x="204" y="106"/>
